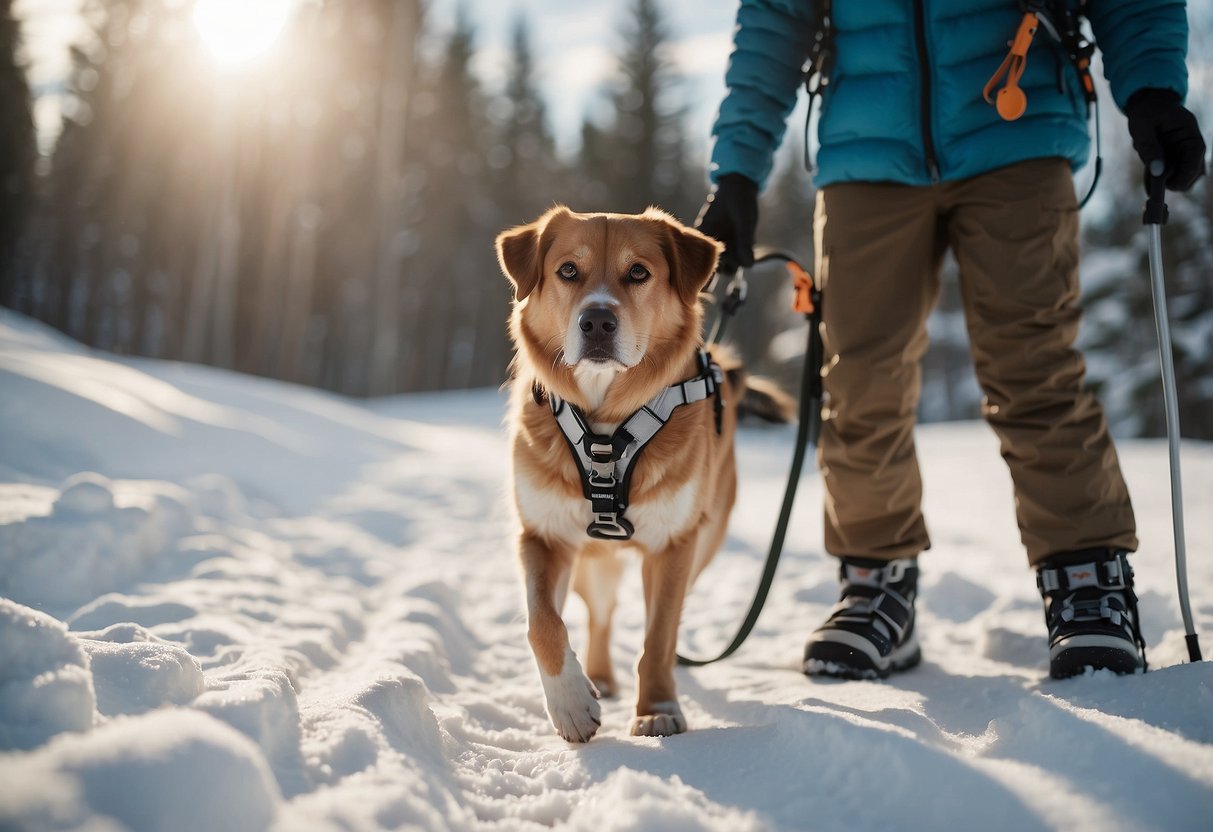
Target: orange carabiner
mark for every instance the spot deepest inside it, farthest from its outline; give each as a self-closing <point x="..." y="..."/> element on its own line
<point x="1011" y="101"/>
<point x="802" y="302"/>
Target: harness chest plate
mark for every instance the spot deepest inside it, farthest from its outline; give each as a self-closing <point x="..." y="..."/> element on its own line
<point x="606" y="463"/>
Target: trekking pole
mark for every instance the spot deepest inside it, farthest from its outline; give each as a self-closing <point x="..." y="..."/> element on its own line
<point x="1154" y="217"/>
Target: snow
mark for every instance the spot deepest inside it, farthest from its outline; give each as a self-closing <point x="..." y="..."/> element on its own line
<point x="45" y="683"/>
<point x="230" y="603"/>
<point x="172" y="769"/>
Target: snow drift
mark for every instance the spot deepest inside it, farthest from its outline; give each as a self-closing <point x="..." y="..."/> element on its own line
<point x="230" y="603"/>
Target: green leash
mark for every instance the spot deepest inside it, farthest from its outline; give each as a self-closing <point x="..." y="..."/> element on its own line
<point x="808" y="428"/>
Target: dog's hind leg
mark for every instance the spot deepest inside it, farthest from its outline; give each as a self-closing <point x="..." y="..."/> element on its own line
<point x="572" y="701"/>
<point x="596" y="579"/>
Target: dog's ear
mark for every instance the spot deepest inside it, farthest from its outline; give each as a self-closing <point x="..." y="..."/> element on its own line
<point x="693" y="258"/>
<point x="520" y="252"/>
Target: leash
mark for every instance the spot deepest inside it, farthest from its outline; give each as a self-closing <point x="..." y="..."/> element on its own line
<point x="1154" y="217"/>
<point x="808" y="428"/>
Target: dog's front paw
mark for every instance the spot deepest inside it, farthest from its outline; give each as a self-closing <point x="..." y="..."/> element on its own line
<point x="665" y="720"/>
<point x="572" y="702"/>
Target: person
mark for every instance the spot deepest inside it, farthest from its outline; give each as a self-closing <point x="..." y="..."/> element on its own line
<point x="911" y="162"/>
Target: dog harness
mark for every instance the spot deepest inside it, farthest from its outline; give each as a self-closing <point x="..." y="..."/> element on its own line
<point x="606" y="462"/>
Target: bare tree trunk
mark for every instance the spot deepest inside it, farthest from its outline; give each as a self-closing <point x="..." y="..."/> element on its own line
<point x="209" y="317"/>
<point x="298" y="300"/>
<point x="198" y="310"/>
<point x="271" y="291"/>
<point x="393" y="115"/>
<point x="60" y="274"/>
<point x="223" y="322"/>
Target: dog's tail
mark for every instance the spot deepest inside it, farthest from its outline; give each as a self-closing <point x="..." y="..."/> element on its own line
<point x="760" y="396"/>
<point x="766" y="400"/>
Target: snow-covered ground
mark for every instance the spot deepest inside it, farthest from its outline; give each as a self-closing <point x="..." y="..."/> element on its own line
<point x="233" y="604"/>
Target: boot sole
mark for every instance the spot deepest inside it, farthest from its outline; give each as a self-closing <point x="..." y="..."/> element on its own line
<point x="842" y="661"/>
<point x="1073" y="656"/>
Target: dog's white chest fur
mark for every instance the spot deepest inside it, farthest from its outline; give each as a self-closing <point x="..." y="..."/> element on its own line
<point x="562" y="517"/>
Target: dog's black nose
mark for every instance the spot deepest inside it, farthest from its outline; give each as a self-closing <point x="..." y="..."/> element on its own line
<point x="598" y="322"/>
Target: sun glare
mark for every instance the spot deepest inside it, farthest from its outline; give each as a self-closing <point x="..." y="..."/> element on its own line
<point x="237" y="31"/>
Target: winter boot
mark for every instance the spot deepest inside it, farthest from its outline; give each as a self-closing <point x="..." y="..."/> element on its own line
<point x="870" y="631"/>
<point x="1091" y="612"/>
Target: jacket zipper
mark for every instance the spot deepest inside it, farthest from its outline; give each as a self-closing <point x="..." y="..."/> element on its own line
<point x="924" y="77"/>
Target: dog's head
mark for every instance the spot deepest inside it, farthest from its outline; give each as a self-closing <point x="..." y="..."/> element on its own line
<point x="600" y="294"/>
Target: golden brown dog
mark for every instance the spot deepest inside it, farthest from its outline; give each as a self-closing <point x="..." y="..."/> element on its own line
<point x="607" y="316"/>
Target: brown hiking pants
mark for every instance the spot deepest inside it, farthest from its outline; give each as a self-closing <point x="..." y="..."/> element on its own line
<point x="1014" y="233"/>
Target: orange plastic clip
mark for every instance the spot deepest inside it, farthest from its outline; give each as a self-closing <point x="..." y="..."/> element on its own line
<point x="802" y="302"/>
<point x="1011" y="101"/>
<point x="1084" y="72"/>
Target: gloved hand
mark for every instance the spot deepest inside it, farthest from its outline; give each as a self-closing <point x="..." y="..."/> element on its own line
<point x="1162" y="128"/>
<point x="730" y="214"/>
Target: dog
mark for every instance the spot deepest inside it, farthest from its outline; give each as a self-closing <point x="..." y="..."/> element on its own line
<point x="606" y="325"/>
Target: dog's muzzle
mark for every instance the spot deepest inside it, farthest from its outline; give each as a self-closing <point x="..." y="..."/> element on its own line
<point x="598" y="326"/>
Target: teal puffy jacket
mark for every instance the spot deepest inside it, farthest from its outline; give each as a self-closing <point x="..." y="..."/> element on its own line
<point x="904" y="103"/>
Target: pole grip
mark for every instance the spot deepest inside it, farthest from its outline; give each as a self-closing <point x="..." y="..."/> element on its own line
<point x="1156" y="212"/>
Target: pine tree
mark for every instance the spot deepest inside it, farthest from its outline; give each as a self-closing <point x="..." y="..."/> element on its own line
<point x="392" y="202"/>
<point x="527" y="179"/>
<point x="523" y="156"/>
<point x="644" y="152"/>
<point x="115" y="240"/>
<point x="450" y="276"/>
<point x="18" y="152"/>
<point x="344" y="218"/>
<point x="68" y="241"/>
<point x="590" y="184"/>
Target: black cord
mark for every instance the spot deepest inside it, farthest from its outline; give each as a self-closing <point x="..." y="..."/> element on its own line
<point x="808" y="430"/>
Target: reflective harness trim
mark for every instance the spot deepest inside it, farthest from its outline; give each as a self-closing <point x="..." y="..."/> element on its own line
<point x="606" y="462"/>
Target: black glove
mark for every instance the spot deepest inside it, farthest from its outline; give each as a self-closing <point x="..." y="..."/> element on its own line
<point x="730" y="214"/>
<point x="1162" y="128"/>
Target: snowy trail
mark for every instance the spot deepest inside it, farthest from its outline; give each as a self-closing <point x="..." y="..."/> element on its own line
<point x="229" y="603"/>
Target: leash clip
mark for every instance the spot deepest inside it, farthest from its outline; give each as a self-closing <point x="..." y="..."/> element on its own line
<point x="802" y="285"/>
<point x="735" y="292"/>
<point x="608" y="525"/>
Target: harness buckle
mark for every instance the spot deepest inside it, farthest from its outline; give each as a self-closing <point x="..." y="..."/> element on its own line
<point x="608" y="525"/>
<point x="601" y="451"/>
<point x="602" y="475"/>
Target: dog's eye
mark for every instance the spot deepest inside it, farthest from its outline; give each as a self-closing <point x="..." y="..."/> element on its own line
<point x="567" y="272"/>
<point x="638" y="274"/>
